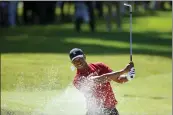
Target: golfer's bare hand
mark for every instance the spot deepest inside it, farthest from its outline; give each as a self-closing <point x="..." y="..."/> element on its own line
<point x="129" y="66"/>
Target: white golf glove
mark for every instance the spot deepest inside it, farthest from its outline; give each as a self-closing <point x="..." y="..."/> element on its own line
<point x="131" y="74"/>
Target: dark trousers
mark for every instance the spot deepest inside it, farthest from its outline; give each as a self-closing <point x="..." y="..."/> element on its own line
<point x="91" y="15"/>
<point x="78" y="23"/>
<point x="104" y="112"/>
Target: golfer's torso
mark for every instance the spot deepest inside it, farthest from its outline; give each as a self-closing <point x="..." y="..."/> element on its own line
<point x="103" y="94"/>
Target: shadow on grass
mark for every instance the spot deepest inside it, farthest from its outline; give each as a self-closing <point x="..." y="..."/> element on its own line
<point x="52" y="39"/>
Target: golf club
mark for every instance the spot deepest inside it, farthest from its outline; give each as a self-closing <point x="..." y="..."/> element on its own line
<point x="130" y="11"/>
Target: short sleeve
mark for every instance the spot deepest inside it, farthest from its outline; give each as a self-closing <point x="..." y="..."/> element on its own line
<point x="104" y="67"/>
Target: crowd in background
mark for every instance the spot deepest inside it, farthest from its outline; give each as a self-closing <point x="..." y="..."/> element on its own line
<point x="44" y="12"/>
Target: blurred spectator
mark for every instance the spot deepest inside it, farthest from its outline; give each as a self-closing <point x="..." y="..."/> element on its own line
<point x="84" y="12"/>
<point x="118" y="5"/>
<point x="99" y="7"/>
<point x="3" y="13"/>
<point x="114" y="15"/>
<point x="81" y="14"/>
<point x="44" y="12"/>
<point x="12" y="11"/>
<point x="90" y="6"/>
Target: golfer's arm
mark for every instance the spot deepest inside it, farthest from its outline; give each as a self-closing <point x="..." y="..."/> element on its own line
<point x="114" y="75"/>
<point x="109" y="76"/>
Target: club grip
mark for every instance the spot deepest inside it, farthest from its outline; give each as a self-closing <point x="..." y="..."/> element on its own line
<point x="130" y="57"/>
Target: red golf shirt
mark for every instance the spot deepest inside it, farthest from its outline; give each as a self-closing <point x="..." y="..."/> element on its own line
<point x="103" y="93"/>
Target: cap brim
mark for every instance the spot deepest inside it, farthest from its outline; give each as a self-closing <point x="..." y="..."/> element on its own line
<point x="77" y="57"/>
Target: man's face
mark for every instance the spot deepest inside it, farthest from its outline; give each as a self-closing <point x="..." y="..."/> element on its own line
<point x="79" y="62"/>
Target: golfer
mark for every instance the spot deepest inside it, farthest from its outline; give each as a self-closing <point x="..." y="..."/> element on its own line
<point x="93" y="80"/>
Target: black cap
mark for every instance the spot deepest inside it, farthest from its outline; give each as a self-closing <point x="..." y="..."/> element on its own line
<point x="76" y="52"/>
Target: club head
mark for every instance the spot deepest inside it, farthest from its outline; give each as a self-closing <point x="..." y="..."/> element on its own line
<point x="128" y="5"/>
<point x="125" y="4"/>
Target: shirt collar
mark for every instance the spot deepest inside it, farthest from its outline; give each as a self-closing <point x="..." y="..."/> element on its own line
<point x="84" y="71"/>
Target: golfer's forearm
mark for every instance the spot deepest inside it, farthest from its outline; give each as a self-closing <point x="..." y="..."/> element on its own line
<point x="109" y="76"/>
<point x="114" y="75"/>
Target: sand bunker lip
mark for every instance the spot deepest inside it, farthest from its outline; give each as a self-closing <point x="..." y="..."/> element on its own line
<point x="11" y="112"/>
<point x="147" y="97"/>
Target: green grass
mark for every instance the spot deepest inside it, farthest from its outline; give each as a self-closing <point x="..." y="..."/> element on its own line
<point x="35" y="65"/>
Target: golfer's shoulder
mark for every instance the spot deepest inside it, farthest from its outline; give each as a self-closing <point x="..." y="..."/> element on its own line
<point x="100" y="64"/>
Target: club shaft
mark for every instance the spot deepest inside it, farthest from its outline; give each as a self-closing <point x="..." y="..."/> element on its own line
<point x="130" y="8"/>
<point x="130" y="36"/>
